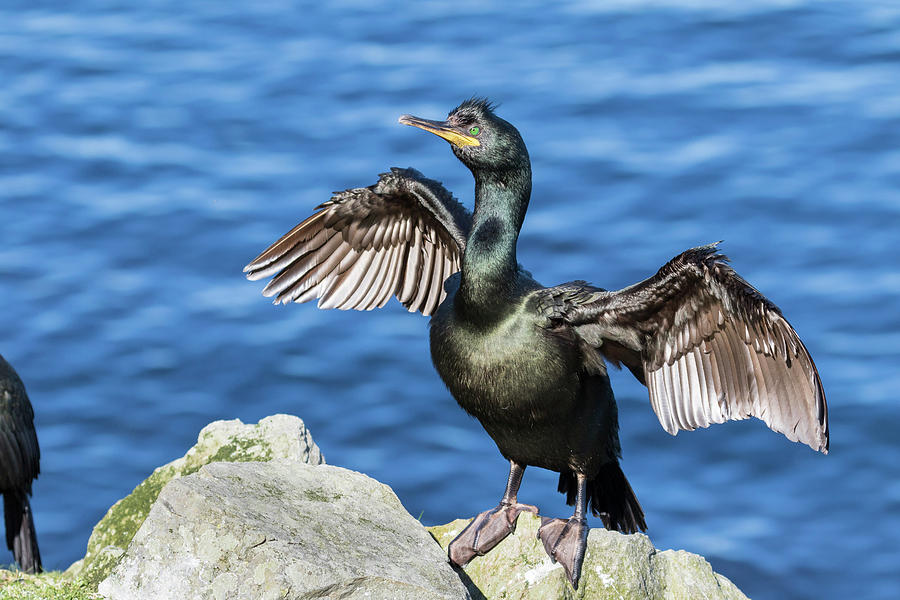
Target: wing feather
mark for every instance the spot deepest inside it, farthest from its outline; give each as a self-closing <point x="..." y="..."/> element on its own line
<point x="371" y="278"/>
<point x="388" y="283"/>
<point x="368" y="244"/>
<point x="435" y="291"/>
<point x="712" y="347"/>
<point x="413" y="271"/>
<point x="19" y="451"/>
<point x="421" y="298"/>
<point x="351" y="280"/>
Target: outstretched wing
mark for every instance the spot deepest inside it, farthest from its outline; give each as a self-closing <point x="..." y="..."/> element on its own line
<point x="706" y="343"/>
<point x="19" y="452"/>
<point x="401" y="237"/>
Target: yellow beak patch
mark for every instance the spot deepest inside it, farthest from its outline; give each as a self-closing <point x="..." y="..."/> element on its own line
<point x="442" y="129"/>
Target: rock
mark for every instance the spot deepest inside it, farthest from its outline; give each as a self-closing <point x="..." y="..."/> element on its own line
<point x="617" y="566"/>
<point x="284" y="529"/>
<point x="281" y="530"/>
<point x="275" y="437"/>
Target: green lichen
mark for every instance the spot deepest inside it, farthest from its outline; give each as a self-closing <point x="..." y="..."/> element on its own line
<point x="625" y="567"/>
<point x="318" y="496"/>
<point x="51" y="585"/>
<point x="242" y="450"/>
<point x="121" y="522"/>
<point x="273" y="490"/>
<point x="100" y="565"/>
<point x="230" y="442"/>
<point x="373" y="524"/>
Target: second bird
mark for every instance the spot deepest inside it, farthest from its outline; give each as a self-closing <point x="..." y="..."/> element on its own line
<point x="528" y="361"/>
<point x="20" y="459"/>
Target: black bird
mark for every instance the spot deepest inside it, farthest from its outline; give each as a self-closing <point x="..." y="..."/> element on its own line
<point x="529" y="362"/>
<point x="20" y="459"/>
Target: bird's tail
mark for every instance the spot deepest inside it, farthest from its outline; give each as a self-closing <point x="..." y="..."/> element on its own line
<point x="610" y="497"/>
<point x="20" y="535"/>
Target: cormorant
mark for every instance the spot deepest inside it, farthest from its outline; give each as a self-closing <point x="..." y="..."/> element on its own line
<point x="529" y="361"/>
<point x="20" y="459"/>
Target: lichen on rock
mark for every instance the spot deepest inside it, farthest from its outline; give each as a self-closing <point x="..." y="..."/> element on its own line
<point x="281" y="530"/>
<point x="48" y="585"/>
<point x="223" y="523"/>
<point x="275" y="437"/>
<point x="616" y="566"/>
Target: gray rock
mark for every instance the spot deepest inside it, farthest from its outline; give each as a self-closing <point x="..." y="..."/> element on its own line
<point x="275" y="437"/>
<point x="287" y="530"/>
<point x="281" y="530"/>
<point x="616" y="566"/>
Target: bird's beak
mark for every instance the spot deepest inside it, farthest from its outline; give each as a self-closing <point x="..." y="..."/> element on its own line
<point x="441" y="128"/>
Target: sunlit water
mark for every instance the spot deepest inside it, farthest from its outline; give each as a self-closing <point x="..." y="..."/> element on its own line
<point x="149" y="150"/>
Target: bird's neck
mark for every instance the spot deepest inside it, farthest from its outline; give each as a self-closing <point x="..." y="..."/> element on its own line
<point x="489" y="267"/>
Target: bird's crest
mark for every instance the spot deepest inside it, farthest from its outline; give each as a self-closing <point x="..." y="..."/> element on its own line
<point x="474" y="105"/>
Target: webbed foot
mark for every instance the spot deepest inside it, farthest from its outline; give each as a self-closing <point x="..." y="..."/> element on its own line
<point x="486" y="531"/>
<point x="566" y="542"/>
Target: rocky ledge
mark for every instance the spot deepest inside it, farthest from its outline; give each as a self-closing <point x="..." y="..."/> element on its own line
<point x="252" y="511"/>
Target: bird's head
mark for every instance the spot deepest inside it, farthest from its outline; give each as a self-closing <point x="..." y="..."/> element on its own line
<point x="479" y="138"/>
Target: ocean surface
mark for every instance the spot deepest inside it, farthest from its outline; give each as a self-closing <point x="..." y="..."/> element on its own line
<point x="149" y="150"/>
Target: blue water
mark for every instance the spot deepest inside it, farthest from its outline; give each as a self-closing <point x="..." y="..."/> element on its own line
<point x="149" y="150"/>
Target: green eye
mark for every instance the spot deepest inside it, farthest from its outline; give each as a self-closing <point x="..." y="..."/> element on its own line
<point x="474" y="130"/>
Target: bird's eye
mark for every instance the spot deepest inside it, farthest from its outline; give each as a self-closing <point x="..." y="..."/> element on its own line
<point x="474" y="130"/>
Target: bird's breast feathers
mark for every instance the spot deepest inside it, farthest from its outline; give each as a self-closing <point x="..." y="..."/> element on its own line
<point x="515" y="365"/>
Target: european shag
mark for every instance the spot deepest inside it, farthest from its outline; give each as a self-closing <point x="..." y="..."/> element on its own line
<point x="19" y="464"/>
<point x="529" y="362"/>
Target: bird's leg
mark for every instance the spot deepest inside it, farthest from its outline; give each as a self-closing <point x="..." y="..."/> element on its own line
<point x="566" y="540"/>
<point x="490" y="527"/>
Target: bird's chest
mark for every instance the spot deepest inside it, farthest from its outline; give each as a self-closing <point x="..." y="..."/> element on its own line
<point x="509" y="372"/>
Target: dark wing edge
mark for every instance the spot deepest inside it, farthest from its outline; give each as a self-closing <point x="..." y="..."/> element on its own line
<point x="20" y="453"/>
<point x="710" y="346"/>
<point x="402" y="236"/>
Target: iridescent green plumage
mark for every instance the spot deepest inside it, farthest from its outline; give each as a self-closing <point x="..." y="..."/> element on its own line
<point x="529" y="362"/>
